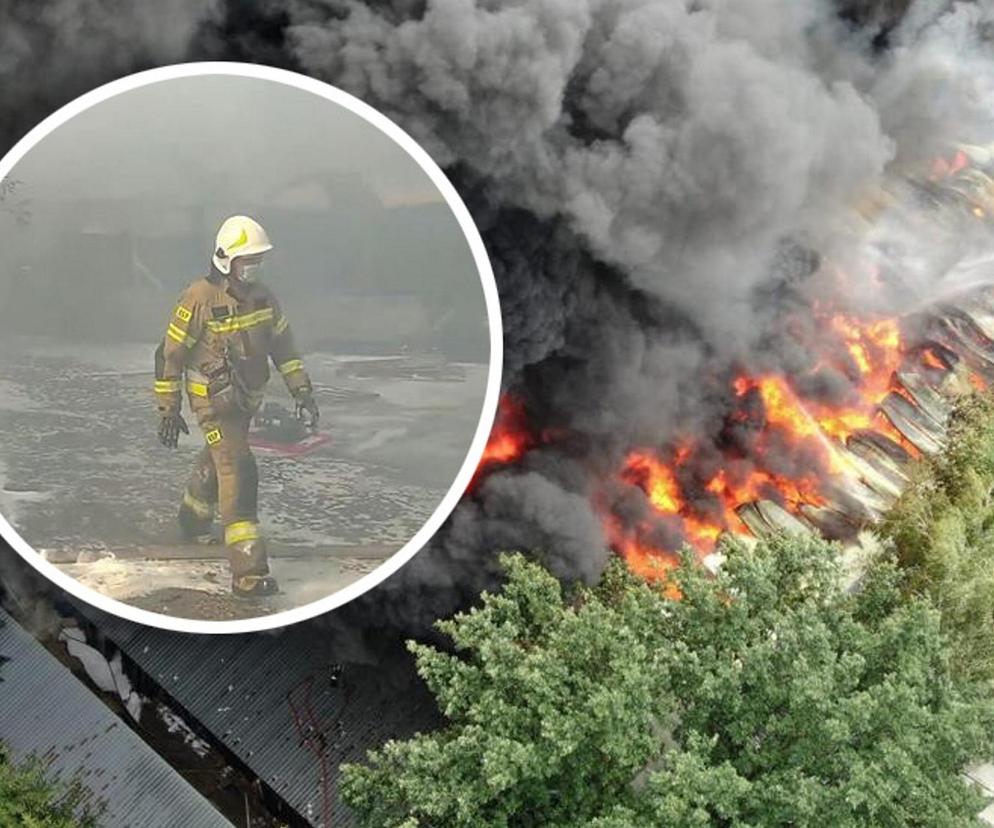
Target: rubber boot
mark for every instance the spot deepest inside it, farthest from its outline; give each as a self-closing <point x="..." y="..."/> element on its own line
<point x="250" y="576"/>
<point x="254" y="586"/>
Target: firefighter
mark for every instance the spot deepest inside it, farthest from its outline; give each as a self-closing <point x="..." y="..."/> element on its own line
<point x="222" y="333"/>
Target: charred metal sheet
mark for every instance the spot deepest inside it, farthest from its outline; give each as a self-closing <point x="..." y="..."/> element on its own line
<point x="753" y="520"/>
<point x="831" y="523"/>
<point x="977" y="300"/>
<point x="972" y="334"/>
<point x="980" y="317"/>
<point x="280" y="703"/>
<point x="946" y="357"/>
<point x="850" y="494"/>
<point x="914" y="427"/>
<point x="885" y="445"/>
<point x="884" y="486"/>
<point x="779" y="518"/>
<point x="852" y="498"/>
<point x="925" y="396"/>
<point x="956" y="334"/>
<point x="764" y="517"/>
<point x="852" y="491"/>
<point x="49" y="713"/>
<point x="879" y="460"/>
<point x="918" y="416"/>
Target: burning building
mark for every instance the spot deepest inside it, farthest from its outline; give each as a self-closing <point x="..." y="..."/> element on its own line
<point x="711" y="224"/>
<point x="737" y="244"/>
<point x="822" y="441"/>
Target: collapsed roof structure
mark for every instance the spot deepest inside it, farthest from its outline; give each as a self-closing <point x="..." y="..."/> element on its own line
<point x="956" y="339"/>
<point x="277" y="704"/>
<point x="50" y="715"/>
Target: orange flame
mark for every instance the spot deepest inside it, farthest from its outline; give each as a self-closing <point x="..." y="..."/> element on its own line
<point x="509" y="438"/>
<point x="690" y="504"/>
<point x="871" y="352"/>
<point x="941" y="168"/>
<point x="931" y="360"/>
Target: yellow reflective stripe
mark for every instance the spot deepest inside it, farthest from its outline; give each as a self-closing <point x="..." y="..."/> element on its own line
<point x="213" y="436"/>
<point x="242" y="530"/>
<point x="291" y="365"/>
<point x="198" y="389"/>
<point x="240" y="323"/>
<point x="282" y="324"/>
<point x="183" y="314"/>
<point x="199" y="507"/>
<point x="166" y="386"/>
<point x="179" y="335"/>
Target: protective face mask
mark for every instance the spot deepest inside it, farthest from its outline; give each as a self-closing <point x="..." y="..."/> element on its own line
<point x="251" y="271"/>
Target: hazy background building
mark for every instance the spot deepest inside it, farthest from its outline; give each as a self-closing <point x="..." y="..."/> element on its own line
<point x="122" y="203"/>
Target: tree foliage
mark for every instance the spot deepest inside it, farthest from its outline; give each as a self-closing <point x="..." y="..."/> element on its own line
<point x="765" y="696"/>
<point x="943" y="529"/>
<point x="29" y="800"/>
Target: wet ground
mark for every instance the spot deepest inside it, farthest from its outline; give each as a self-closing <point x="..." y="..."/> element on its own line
<point x="193" y="581"/>
<point x="84" y="480"/>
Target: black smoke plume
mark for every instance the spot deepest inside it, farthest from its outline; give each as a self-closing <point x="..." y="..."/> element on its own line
<point x="650" y="179"/>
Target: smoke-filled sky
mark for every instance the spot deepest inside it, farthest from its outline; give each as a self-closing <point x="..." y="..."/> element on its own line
<point x="652" y="178"/>
<point x="365" y="246"/>
<point x="214" y="137"/>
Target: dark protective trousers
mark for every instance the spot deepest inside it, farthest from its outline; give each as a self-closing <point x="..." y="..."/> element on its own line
<point x="225" y="477"/>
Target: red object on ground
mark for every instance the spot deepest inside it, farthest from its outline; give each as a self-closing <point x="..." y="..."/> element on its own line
<point x="296" y="448"/>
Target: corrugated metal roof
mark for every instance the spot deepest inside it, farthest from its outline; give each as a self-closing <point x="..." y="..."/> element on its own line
<point x="49" y="713"/>
<point x="278" y="703"/>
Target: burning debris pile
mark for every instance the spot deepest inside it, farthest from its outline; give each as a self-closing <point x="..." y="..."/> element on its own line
<point x="784" y="457"/>
<point x="820" y="444"/>
<point x="846" y="463"/>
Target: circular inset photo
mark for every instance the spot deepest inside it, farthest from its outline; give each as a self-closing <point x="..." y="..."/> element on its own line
<point x="249" y="347"/>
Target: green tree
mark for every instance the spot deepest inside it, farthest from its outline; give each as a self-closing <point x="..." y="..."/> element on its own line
<point x="28" y="799"/>
<point x="943" y="530"/>
<point x="765" y="696"/>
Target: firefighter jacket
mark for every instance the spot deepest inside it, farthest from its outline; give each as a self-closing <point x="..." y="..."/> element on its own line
<point x="218" y="345"/>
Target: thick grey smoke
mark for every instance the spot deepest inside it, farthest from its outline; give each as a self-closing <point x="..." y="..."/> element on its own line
<point x="649" y="178"/>
<point x="675" y="162"/>
<point x="932" y="90"/>
<point x="936" y="83"/>
<point x="682" y="142"/>
<point x="51" y="52"/>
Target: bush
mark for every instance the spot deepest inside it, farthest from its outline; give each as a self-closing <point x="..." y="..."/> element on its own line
<point x="766" y="696"/>
<point x="29" y="800"/>
<point x="943" y="530"/>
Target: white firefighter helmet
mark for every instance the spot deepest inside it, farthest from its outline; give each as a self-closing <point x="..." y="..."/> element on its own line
<point x="239" y="236"/>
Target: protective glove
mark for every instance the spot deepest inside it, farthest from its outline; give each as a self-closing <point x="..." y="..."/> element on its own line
<point x="306" y="402"/>
<point x="169" y="428"/>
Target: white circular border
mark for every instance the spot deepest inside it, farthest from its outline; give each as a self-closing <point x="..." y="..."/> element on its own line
<point x="472" y="235"/>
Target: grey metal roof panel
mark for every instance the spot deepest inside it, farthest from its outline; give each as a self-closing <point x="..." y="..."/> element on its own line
<point x="272" y="700"/>
<point x="48" y="712"/>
